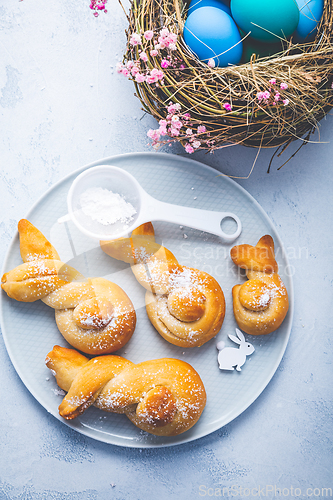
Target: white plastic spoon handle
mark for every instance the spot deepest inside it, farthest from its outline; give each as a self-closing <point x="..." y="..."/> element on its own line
<point x="203" y="220"/>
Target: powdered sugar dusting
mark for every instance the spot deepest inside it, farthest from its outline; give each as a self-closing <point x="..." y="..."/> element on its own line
<point x="106" y="207"/>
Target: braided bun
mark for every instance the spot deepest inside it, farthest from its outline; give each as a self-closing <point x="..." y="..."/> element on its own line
<point x="164" y="397"/>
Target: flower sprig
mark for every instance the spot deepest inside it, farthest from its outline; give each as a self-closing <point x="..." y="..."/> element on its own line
<point x="180" y="126"/>
<point x="273" y="96"/>
<point x="151" y="54"/>
<point x="159" y="46"/>
<point x="97" y="6"/>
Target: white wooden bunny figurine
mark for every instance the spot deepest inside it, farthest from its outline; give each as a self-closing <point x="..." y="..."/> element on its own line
<point x="230" y="357"/>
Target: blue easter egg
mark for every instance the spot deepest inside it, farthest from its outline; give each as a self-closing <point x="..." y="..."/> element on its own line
<point x="267" y="21"/>
<point x="310" y="12"/>
<point x="219" y="4"/>
<point x="212" y="34"/>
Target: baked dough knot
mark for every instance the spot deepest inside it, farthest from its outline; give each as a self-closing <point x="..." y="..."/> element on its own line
<point x="94" y="315"/>
<point x="261" y="303"/>
<point x="164" y="396"/>
<point x="185" y="305"/>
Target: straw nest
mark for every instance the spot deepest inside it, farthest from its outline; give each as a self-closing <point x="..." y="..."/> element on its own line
<point x="218" y="107"/>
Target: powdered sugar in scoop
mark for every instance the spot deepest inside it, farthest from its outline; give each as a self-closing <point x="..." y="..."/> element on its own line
<point x="106" y="207"/>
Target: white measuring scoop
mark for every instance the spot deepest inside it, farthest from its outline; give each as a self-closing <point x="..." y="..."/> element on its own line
<point x="147" y="208"/>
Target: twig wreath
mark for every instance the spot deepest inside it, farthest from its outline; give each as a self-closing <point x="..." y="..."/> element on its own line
<point x="264" y="103"/>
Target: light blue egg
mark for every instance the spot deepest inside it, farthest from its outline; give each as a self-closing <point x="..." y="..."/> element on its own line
<point x="212" y="34"/>
<point x="219" y="4"/>
<point x="310" y="14"/>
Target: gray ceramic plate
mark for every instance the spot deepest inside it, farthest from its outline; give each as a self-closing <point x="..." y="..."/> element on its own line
<point x="30" y="332"/>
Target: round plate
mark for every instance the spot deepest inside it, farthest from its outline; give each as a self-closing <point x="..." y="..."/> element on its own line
<point x="30" y="331"/>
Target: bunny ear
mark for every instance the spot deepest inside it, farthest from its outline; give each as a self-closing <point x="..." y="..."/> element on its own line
<point x="234" y="339"/>
<point x="240" y="335"/>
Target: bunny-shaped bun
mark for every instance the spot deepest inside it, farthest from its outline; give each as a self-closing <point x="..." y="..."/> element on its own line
<point x="163" y="396"/>
<point x="186" y="306"/>
<point x="261" y="303"/>
<point x="229" y="357"/>
<point x="94" y="315"/>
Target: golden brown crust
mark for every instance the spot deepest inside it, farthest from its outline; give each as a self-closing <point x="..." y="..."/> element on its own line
<point x="188" y="285"/>
<point x="259" y="258"/>
<point x="36" y="279"/>
<point x="185" y="305"/>
<point x="164" y="397"/>
<point x="100" y="322"/>
<point x="33" y="244"/>
<point x="261" y="303"/>
<point x="94" y="315"/>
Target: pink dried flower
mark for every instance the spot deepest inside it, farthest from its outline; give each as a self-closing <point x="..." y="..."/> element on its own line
<point x="260" y="96"/>
<point x="172" y="108"/>
<point x="182" y="66"/>
<point x="153" y="134"/>
<point x="187" y="116"/>
<point x="135" y="39"/>
<point x="140" y="78"/>
<point x="164" y="32"/>
<point x="266" y="95"/>
<point x="201" y="129"/>
<point x="119" y="67"/>
<point x="178" y="124"/>
<point x="174" y="131"/>
<point x="148" y="34"/>
<point x="284" y="86"/>
<point x="163" y="130"/>
<point x="162" y="43"/>
<point x="164" y="63"/>
<point x="157" y="73"/>
<point x="153" y="52"/>
<point x="134" y="70"/>
<point x="189" y="149"/>
<point x="272" y="81"/>
<point x="227" y="106"/>
<point x="196" y="144"/>
<point x="277" y="96"/>
<point x="211" y="62"/>
<point x="98" y="5"/>
<point x="151" y="79"/>
<point x="167" y="39"/>
<point x="143" y="56"/>
<point x="285" y="102"/>
<point x="189" y="131"/>
<point x="172" y="37"/>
